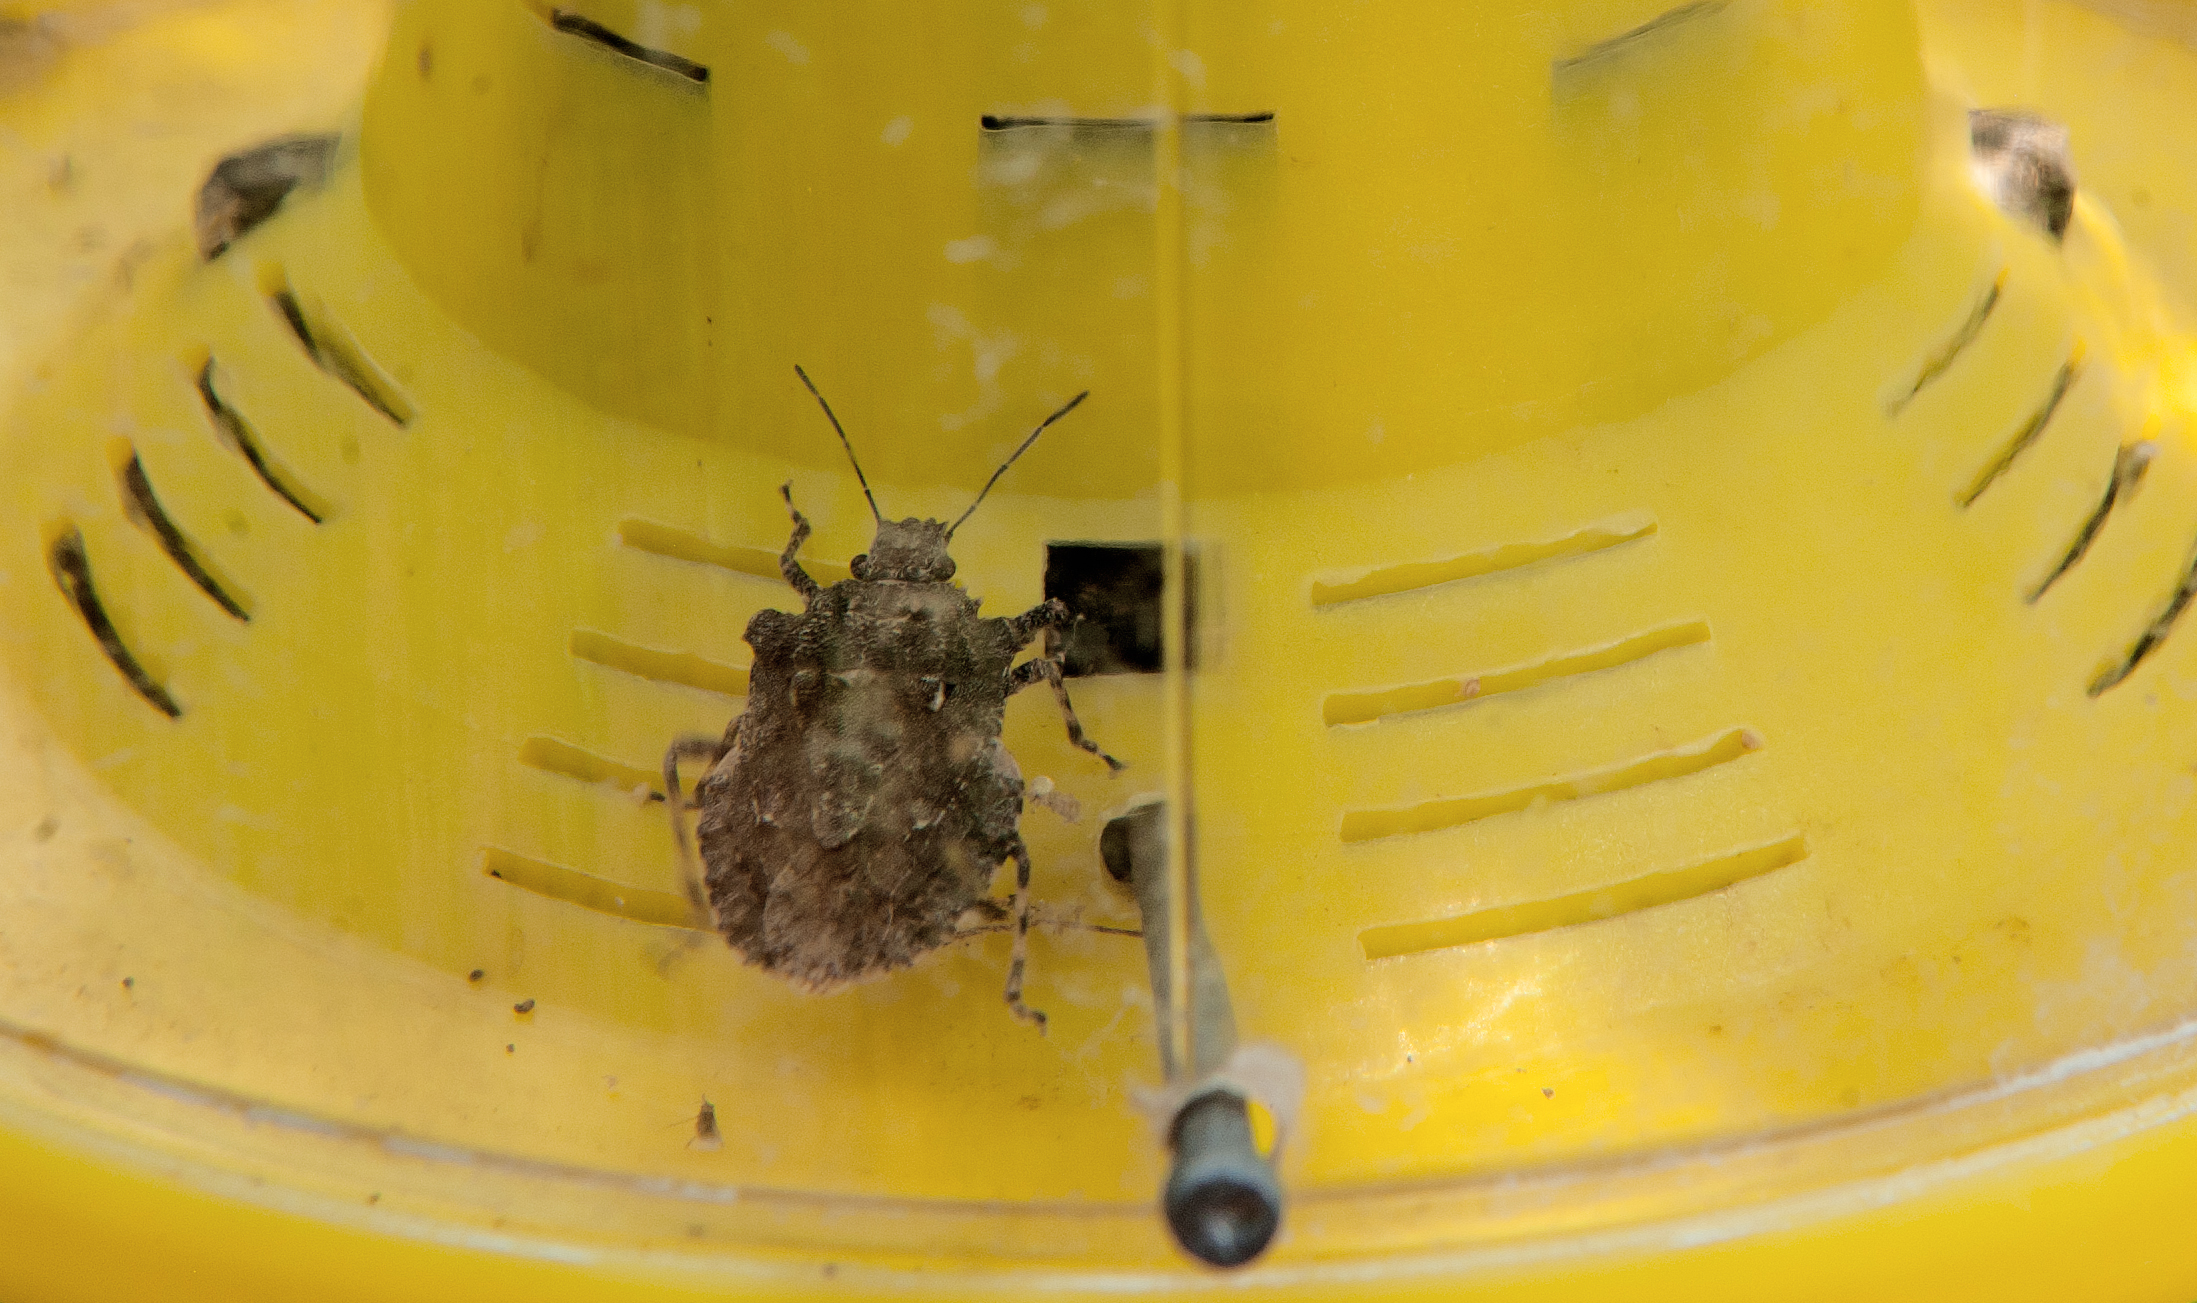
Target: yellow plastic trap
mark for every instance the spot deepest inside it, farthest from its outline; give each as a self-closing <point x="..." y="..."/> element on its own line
<point x="1684" y="710"/>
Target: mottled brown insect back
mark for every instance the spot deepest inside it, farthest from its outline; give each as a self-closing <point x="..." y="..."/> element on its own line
<point x="863" y="802"/>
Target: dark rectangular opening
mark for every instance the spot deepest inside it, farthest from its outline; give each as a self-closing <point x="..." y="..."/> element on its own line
<point x="1114" y="589"/>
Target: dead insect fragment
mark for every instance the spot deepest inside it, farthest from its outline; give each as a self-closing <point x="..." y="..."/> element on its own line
<point x="706" y="1134"/>
<point x="863" y="801"/>
<point x="2023" y="163"/>
<point x="523" y="1006"/>
<point x="245" y="189"/>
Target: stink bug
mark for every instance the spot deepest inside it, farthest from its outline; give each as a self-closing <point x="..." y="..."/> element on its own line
<point x="859" y="807"/>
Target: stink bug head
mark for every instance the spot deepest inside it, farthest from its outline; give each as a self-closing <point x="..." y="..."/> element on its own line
<point x="911" y="550"/>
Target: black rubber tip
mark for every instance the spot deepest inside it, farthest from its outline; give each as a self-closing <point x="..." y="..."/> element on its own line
<point x="1223" y="1202"/>
<point x="1117" y="840"/>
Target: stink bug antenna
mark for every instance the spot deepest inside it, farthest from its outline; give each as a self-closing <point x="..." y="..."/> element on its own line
<point x="858" y="475"/>
<point x="1066" y="408"/>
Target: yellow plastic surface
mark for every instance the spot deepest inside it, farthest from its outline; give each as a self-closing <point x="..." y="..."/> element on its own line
<point x="1630" y="771"/>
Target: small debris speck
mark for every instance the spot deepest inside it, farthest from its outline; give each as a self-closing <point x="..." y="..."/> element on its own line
<point x="1547" y="1093"/>
<point x="476" y="975"/>
<point x="129" y="983"/>
<point x="374" y="1197"/>
<point x="523" y="1006"/>
<point x="511" y="1049"/>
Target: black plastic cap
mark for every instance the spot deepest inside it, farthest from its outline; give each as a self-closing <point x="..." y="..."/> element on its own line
<point x="1223" y="1202"/>
<point x="1117" y="840"/>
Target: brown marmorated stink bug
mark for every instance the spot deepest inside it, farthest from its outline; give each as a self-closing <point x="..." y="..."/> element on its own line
<point x="860" y="806"/>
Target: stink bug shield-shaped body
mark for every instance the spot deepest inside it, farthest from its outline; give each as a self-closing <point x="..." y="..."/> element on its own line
<point x="863" y="802"/>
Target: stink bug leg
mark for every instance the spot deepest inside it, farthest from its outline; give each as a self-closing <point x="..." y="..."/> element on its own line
<point x="1049" y="618"/>
<point x="1022" y="939"/>
<point x="691" y="748"/>
<point x="789" y="563"/>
